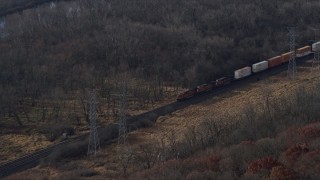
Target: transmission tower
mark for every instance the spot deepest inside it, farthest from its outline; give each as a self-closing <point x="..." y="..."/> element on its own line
<point x="94" y="142"/>
<point x="292" y="69"/>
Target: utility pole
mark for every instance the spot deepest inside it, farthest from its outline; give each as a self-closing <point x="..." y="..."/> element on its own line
<point x="122" y="120"/>
<point x="292" y="62"/>
<point x="316" y="58"/>
<point x="124" y="154"/>
<point x="122" y="138"/>
<point x="315" y="30"/>
<point x="94" y="142"/>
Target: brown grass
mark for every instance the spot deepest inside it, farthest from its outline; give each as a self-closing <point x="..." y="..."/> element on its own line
<point x="16" y="145"/>
<point x="176" y="124"/>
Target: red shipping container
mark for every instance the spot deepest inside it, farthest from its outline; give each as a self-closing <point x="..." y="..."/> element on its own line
<point x="204" y="88"/>
<point x="186" y="94"/>
<point x="304" y="51"/>
<point x="286" y="57"/>
<point x="223" y="81"/>
<point x="275" y="61"/>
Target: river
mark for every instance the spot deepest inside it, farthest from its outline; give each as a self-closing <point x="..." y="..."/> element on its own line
<point x="13" y="21"/>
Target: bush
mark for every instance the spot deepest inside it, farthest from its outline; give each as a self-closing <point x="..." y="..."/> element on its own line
<point x="196" y="175"/>
<point x="308" y="164"/>
<point x="310" y="131"/>
<point x="241" y="155"/>
<point x="268" y="147"/>
<point x="53" y="132"/>
<point x="262" y="163"/>
<point x="85" y="172"/>
<point x="315" y="144"/>
<point x="282" y="172"/>
<point x="294" y="152"/>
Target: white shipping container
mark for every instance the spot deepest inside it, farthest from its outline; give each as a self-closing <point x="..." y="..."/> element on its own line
<point x="243" y="72"/>
<point x="260" y="66"/>
<point x="316" y="46"/>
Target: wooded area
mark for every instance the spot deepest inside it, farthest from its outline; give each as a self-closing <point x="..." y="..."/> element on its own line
<point x="53" y="54"/>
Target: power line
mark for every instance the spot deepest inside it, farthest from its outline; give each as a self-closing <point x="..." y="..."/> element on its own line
<point x="94" y="142"/>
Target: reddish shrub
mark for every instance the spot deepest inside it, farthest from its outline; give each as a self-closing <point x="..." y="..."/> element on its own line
<point x="193" y="175"/>
<point x="213" y="163"/>
<point x="312" y="154"/>
<point x="294" y="152"/>
<point x="282" y="173"/>
<point x="310" y="131"/>
<point x="292" y="135"/>
<point x="169" y="168"/>
<point x="194" y="164"/>
<point x="247" y="143"/>
<point x="263" y="163"/>
<point x="309" y="164"/>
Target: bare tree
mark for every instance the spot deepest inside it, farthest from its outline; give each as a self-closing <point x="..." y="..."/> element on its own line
<point x="147" y="155"/>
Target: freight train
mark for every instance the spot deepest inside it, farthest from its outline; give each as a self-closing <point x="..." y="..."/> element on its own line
<point x="248" y="71"/>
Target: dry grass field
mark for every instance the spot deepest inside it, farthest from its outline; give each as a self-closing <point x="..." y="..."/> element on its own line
<point x="13" y="146"/>
<point x="16" y="141"/>
<point x="177" y="124"/>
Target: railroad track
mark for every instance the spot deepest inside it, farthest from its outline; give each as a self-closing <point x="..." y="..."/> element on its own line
<point x="27" y="161"/>
<point x="32" y="160"/>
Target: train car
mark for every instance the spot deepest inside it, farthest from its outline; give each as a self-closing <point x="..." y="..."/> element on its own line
<point x="274" y="62"/>
<point x="247" y="71"/>
<point x="204" y="88"/>
<point x="304" y="51"/>
<point x="316" y="46"/>
<point x="260" y="66"/>
<point x="223" y="81"/>
<point x="187" y="94"/>
<point x="243" y="72"/>
<point x="286" y="57"/>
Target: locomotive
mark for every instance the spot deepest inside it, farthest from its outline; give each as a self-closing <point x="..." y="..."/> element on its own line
<point x="248" y="71"/>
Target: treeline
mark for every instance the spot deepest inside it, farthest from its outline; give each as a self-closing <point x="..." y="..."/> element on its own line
<point x="88" y="43"/>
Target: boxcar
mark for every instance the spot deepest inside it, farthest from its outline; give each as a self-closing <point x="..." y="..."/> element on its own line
<point x="316" y="46"/>
<point x="204" y="88"/>
<point x="223" y="81"/>
<point x="304" y="51"/>
<point x="260" y="66"/>
<point x="243" y="72"/>
<point x="187" y="94"/>
<point x="275" y="61"/>
<point x="286" y="57"/>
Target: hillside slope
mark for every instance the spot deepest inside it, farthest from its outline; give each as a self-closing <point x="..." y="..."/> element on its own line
<point x="235" y="117"/>
<point x="50" y="55"/>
